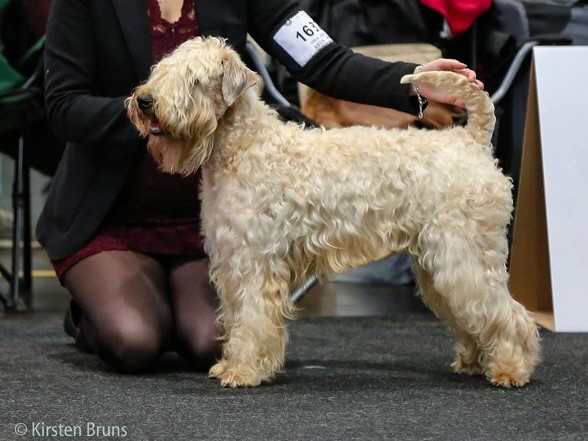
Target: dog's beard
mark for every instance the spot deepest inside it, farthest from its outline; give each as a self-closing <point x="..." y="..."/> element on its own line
<point x="189" y="144"/>
<point x="167" y="153"/>
<point x="178" y="156"/>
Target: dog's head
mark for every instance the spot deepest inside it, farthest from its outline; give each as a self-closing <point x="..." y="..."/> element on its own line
<point x="186" y="95"/>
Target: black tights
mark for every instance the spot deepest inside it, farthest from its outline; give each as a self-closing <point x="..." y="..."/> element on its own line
<point x="135" y="306"/>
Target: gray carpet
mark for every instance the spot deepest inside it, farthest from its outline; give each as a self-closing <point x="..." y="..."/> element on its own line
<point x="346" y="379"/>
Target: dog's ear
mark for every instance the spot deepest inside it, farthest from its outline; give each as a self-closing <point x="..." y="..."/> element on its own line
<point x="237" y="78"/>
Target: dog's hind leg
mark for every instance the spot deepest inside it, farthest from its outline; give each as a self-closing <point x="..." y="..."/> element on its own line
<point x="467" y="353"/>
<point x="470" y="274"/>
<point x="254" y="302"/>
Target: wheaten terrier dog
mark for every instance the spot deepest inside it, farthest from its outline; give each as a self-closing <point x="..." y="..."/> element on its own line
<point x="280" y="203"/>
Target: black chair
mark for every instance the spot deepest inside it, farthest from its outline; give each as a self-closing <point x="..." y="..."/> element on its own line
<point x="21" y="110"/>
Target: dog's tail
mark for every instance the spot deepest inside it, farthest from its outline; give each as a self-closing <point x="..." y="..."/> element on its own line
<point x="480" y="108"/>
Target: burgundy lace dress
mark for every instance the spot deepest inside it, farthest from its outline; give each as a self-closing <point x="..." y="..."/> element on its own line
<point x="155" y="213"/>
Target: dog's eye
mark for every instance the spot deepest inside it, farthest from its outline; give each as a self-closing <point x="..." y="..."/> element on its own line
<point x="193" y="82"/>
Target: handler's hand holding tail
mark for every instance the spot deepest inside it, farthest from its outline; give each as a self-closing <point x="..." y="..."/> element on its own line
<point x="434" y="94"/>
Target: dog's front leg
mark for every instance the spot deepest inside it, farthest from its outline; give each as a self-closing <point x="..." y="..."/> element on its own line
<point x="254" y="301"/>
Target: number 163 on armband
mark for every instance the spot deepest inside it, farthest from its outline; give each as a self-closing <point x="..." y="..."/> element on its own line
<point x="301" y="37"/>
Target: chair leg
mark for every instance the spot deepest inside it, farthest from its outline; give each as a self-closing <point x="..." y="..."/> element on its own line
<point x="27" y="279"/>
<point x="4" y="299"/>
<point x="297" y="294"/>
<point x="16" y="301"/>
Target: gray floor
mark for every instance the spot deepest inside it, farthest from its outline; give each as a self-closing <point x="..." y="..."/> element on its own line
<point x="365" y="362"/>
<point x="362" y="378"/>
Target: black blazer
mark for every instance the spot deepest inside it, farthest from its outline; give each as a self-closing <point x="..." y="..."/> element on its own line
<point x="97" y="51"/>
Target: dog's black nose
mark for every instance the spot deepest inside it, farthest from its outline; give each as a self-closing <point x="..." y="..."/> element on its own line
<point x="145" y="102"/>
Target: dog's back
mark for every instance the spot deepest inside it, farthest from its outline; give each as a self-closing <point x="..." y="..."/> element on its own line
<point x="480" y="108"/>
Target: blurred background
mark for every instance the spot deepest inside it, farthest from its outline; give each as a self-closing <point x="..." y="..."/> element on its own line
<point x="494" y="37"/>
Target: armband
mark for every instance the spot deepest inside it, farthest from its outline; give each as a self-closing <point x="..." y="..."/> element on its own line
<point x="301" y="38"/>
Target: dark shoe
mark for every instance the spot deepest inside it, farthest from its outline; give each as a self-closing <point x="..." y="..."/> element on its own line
<point x="72" y="325"/>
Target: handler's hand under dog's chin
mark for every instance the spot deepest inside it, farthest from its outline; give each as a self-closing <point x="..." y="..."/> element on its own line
<point x="434" y="94"/>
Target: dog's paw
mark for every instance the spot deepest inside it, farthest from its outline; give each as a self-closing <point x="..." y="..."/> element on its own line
<point x="233" y="376"/>
<point x="460" y="366"/>
<point x="509" y="380"/>
<point x="509" y="372"/>
<point x="217" y="370"/>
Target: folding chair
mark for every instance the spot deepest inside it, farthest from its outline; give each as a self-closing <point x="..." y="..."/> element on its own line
<point x="20" y="110"/>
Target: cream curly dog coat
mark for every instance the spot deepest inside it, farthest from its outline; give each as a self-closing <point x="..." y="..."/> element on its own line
<point x="280" y="203"/>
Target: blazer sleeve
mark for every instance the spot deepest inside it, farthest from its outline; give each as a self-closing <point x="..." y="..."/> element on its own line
<point x="75" y="111"/>
<point x="335" y="70"/>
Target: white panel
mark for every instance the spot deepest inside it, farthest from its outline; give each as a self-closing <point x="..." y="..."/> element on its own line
<point x="562" y="96"/>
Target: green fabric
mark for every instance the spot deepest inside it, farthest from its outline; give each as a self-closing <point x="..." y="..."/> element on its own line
<point x="9" y="77"/>
<point x="3" y="4"/>
<point x="33" y="51"/>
